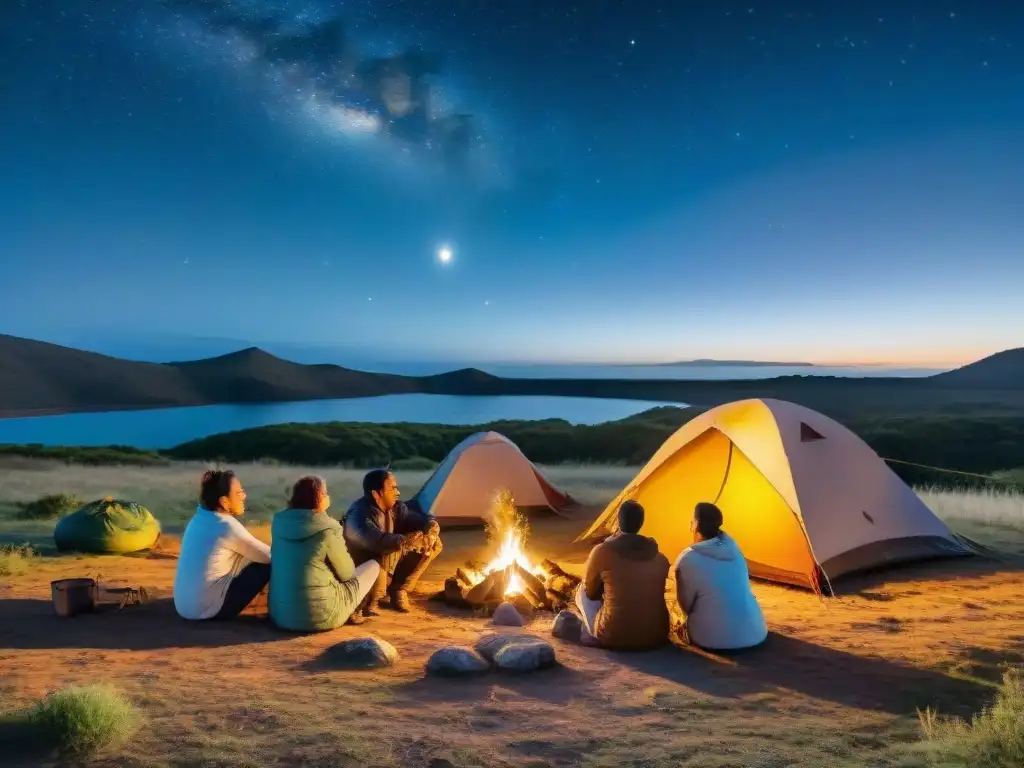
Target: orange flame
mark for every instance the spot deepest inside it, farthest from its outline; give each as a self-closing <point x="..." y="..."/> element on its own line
<point x="510" y="529"/>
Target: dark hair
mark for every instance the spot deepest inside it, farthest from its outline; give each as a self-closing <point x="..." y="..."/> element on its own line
<point x="307" y="492"/>
<point x="374" y="481"/>
<point x="631" y="516"/>
<point x="215" y="484"/>
<point x="709" y="519"/>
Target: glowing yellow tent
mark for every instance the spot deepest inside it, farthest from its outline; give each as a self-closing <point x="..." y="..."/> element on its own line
<point x="801" y="494"/>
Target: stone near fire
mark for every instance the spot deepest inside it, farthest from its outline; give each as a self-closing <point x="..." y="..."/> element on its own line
<point x="567" y="626"/>
<point x="525" y="656"/>
<point x="456" y="661"/>
<point x="506" y="615"/>
<point x="362" y="653"/>
<point x="489" y="645"/>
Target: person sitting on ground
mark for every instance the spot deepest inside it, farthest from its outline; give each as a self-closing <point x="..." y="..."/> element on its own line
<point x="402" y="539"/>
<point x="622" y="596"/>
<point x="314" y="586"/>
<point x="713" y="588"/>
<point x="222" y="567"/>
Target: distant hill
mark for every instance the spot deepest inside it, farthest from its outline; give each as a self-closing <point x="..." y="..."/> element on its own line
<point x="1003" y="369"/>
<point x="39" y="378"/>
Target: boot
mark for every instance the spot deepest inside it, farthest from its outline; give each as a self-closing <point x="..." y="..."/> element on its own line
<point x="400" y="601"/>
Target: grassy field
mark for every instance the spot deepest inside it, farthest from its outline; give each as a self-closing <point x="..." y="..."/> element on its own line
<point x="840" y="682"/>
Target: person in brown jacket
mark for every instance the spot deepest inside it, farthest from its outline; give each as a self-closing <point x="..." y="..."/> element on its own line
<point x="622" y="597"/>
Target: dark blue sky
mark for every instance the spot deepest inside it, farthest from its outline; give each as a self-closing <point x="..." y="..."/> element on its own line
<point x="616" y="180"/>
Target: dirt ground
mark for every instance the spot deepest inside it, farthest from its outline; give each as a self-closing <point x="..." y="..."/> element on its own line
<point x="838" y="682"/>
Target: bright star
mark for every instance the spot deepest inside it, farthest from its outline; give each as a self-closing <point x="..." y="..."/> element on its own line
<point x="444" y="254"/>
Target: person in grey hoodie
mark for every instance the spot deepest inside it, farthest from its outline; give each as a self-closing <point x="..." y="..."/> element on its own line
<point x="713" y="588"/>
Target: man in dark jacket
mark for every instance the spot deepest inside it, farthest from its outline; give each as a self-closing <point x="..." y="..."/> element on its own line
<point x="403" y="539"/>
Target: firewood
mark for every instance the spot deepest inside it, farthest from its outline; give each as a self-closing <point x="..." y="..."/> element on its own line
<point x="453" y="590"/>
<point x="554" y="569"/>
<point x="531" y="583"/>
<point x="562" y="584"/>
<point x="524" y="603"/>
<point x="461" y="576"/>
<point x="479" y="593"/>
<point x="497" y="592"/>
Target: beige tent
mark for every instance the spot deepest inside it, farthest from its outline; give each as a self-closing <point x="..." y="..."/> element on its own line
<point x="801" y="494"/>
<point x="464" y="485"/>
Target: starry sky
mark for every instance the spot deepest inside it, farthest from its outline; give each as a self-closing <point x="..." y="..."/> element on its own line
<point x="613" y="181"/>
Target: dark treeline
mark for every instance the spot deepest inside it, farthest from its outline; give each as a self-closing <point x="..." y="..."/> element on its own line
<point x="981" y="443"/>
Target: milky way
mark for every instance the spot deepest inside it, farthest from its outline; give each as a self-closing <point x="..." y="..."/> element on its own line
<point x="319" y="67"/>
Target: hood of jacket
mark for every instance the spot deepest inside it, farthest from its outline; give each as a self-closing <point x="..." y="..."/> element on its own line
<point x="633" y="546"/>
<point x="721" y="547"/>
<point x="298" y="524"/>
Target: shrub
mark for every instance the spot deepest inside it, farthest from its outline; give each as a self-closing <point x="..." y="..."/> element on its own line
<point x="80" y="719"/>
<point x="15" y="558"/>
<point x="50" y="507"/>
<point x="992" y="739"/>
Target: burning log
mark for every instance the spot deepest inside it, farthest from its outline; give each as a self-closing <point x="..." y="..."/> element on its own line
<point x="493" y="583"/>
<point x="551" y="568"/>
<point x="461" y="576"/>
<point x="533" y="586"/>
<point x="526" y="604"/>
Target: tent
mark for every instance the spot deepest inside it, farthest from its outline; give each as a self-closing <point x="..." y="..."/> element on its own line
<point x="464" y="485"/>
<point x="802" y="495"/>
<point x="107" y="527"/>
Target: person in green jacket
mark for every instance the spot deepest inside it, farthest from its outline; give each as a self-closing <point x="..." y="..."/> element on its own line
<point x="314" y="585"/>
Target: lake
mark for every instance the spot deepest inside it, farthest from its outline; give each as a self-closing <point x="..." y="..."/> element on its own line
<point x="167" y="427"/>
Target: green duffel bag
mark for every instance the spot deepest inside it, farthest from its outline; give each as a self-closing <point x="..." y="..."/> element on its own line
<point x="107" y="527"/>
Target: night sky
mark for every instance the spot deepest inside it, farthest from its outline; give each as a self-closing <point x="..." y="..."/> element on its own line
<point x="615" y="181"/>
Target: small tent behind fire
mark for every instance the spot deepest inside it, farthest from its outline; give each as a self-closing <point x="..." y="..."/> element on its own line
<point x="464" y="485"/>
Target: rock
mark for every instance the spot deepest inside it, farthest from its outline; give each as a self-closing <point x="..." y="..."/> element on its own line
<point x="567" y="626"/>
<point x="489" y="645"/>
<point x="506" y="615"/>
<point x="525" y="656"/>
<point x="361" y="653"/>
<point x="456" y="661"/>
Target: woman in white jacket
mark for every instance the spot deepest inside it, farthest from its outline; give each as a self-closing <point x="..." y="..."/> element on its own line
<point x="713" y="588"/>
<point x="222" y="566"/>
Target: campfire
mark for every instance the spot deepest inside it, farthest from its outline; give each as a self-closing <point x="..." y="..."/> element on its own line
<point x="510" y="575"/>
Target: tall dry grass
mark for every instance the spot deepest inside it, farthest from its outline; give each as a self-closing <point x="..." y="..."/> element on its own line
<point x="170" y="493"/>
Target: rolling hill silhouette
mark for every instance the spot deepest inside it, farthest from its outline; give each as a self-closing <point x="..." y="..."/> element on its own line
<point x="38" y="378"/>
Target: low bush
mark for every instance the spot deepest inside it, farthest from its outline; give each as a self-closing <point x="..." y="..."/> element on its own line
<point x="15" y="559"/>
<point x="992" y="739"/>
<point x="50" y="507"/>
<point x="78" y="719"/>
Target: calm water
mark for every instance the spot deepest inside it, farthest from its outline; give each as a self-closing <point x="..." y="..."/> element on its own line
<point x="170" y="426"/>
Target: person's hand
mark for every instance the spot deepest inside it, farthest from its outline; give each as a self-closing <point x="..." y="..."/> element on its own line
<point x="433" y="529"/>
<point x="414" y="540"/>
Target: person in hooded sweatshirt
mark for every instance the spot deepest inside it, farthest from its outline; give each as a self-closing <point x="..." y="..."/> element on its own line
<point x="622" y="596"/>
<point x="222" y="567"/>
<point x="713" y="588"/>
<point x="314" y="586"/>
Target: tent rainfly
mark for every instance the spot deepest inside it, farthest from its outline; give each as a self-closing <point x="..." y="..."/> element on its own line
<point x="801" y="494"/>
<point x="464" y="485"/>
